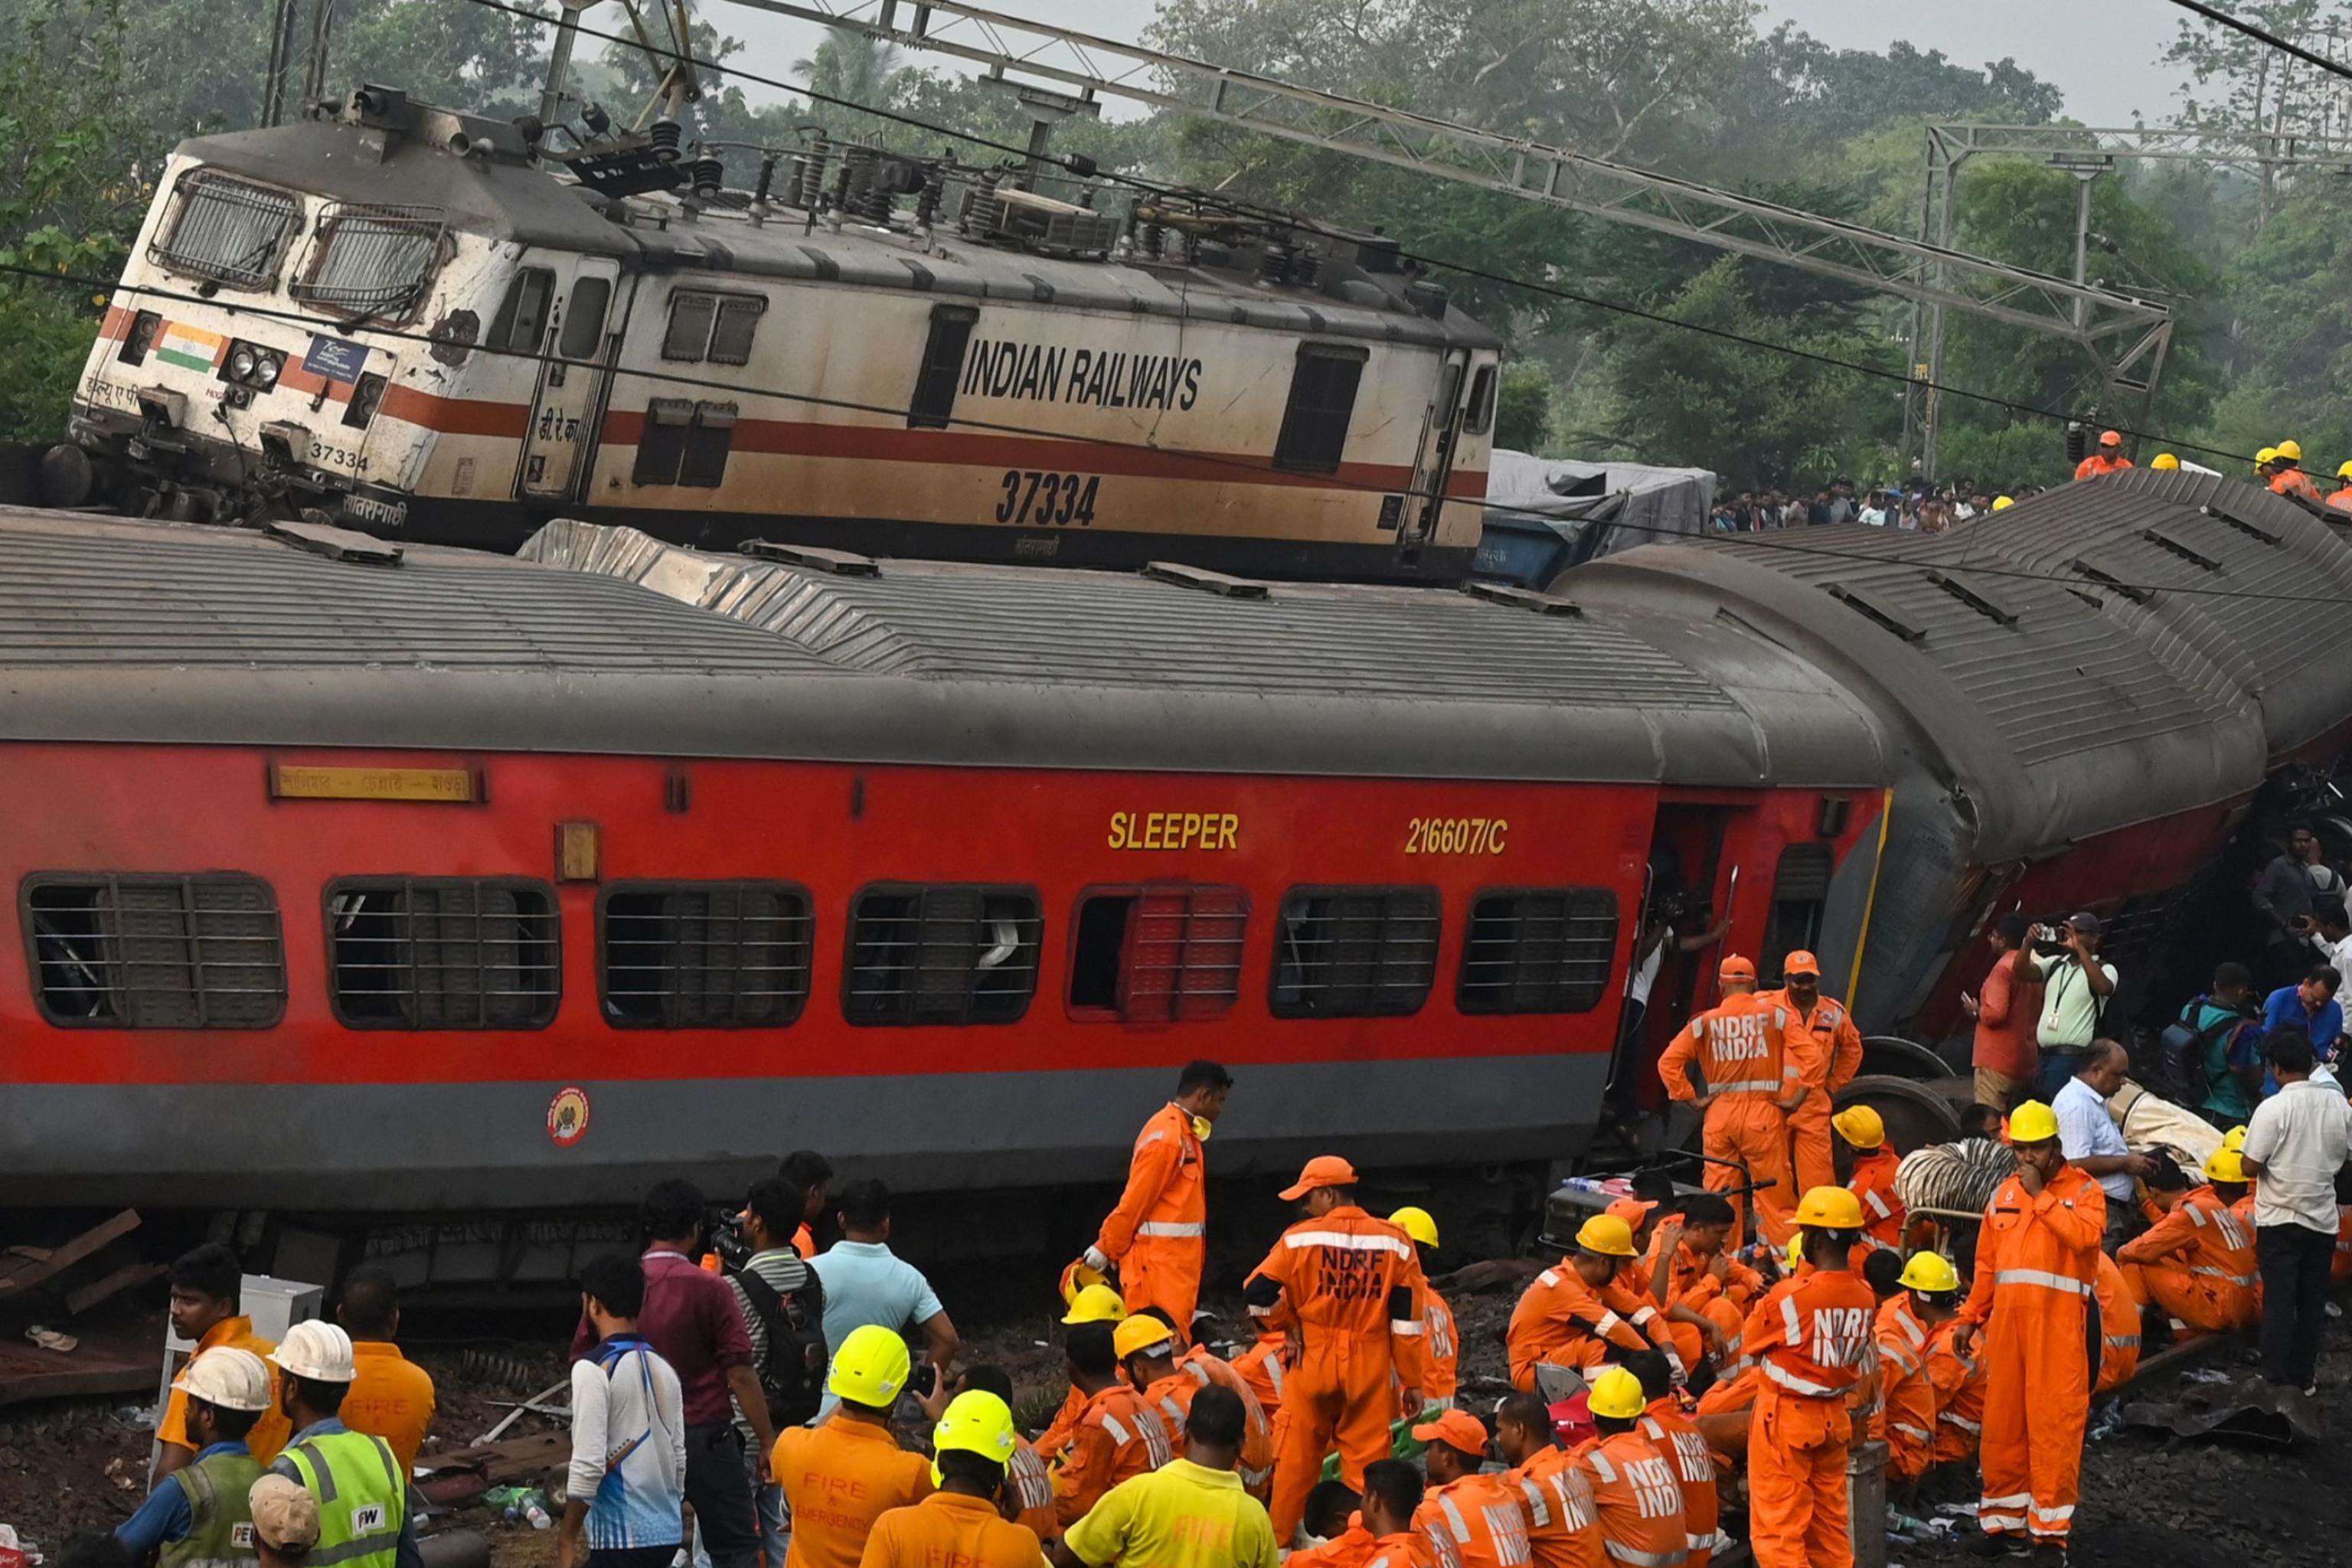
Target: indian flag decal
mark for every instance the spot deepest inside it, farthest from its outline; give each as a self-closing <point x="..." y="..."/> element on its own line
<point x="190" y="348"/>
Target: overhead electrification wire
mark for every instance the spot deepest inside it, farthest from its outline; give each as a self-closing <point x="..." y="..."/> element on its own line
<point x="2237" y="25"/>
<point x="1086" y="169"/>
<point x="1779" y="541"/>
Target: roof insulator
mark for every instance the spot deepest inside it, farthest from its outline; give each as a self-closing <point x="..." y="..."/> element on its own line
<point x="810" y="557"/>
<point x="1207" y="582"/>
<point x="1522" y="598"/>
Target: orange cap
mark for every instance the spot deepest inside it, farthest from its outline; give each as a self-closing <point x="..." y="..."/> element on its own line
<point x="2110" y="438"/>
<point x="1455" y="1429"/>
<point x="1633" y="1210"/>
<point x="1735" y="968"/>
<point x="1323" y="1170"/>
<point x="1801" y="963"/>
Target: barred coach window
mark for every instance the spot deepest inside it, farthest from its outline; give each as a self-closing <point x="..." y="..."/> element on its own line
<point x="1537" y="950"/>
<point x="444" y="952"/>
<point x="1355" y="952"/>
<point x="155" y="951"/>
<point x="1163" y="953"/>
<point x="956" y="953"/>
<point x="703" y="955"/>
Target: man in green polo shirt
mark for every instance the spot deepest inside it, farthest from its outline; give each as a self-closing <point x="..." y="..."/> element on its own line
<point x="1190" y="1514"/>
<point x="363" y="1497"/>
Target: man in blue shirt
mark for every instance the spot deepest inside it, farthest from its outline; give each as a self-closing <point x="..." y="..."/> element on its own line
<point x="866" y="1284"/>
<point x="2310" y="1005"/>
<point x="198" y="1512"/>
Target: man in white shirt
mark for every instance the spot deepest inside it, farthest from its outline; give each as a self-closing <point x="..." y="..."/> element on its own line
<point x="2090" y="1137"/>
<point x="2297" y="1142"/>
<point x="2075" y="989"/>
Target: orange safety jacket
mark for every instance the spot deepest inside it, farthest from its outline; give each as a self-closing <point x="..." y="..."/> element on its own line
<point x="1906" y="1419"/>
<point x="1563" y="1321"/>
<point x="1166" y="1196"/>
<point x="1639" y="1499"/>
<point x="1740" y="1049"/>
<point x="1960" y="1385"/>
<point x="1475" y="1522"/>
<point x="1118" y="1437"/>
<point x="2210" y="1238"/>
<point x="1563" y="1520"/>
<point x="1873" y="1183"/>
<point x="1674" y="1434"/>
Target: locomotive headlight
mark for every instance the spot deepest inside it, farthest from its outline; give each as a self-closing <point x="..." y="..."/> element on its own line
<point x="241" y="362"/>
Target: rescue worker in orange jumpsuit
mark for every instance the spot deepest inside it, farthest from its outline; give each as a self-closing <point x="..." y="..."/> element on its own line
<point x="1811" y="1337"/>
<point x="1752" y="1086"/>
<point x="2032" y="1308"/>
<point x="2288" y="478"/>
<point x="1147" y="1350"/>
<point x="1701" y="1272"/>
<point x="1674" y="1433"/>
<point x="2198" y="1261"/>
<point x="1634" y="1487"/>
<point x="2119" y="1312"/>
<point x="1573" y="1315"/>
<point x="1088" y="1304"/>
<point x="1117" y="1438"/>
<point x="1345" y="1289"/>
<point x="1828" y="1049"/>
<point x="1555" y="1497"/>
<point x="1441" y="1348"/>
<point x="1905" y="1421"/>
<point x="2107" y="460"/>
<point x="1870" y="1176"/>
<point x="1473" y="1520"/>
<point x="1157" y="1236"/>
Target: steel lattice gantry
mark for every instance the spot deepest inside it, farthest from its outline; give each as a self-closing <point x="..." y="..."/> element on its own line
<point x="2125" y="336"/>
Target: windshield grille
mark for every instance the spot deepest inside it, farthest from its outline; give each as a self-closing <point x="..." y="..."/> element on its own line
<point x="371" y="260"/>
<point x="226" y="230"/>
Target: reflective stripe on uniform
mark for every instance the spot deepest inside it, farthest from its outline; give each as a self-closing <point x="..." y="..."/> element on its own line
<point x="1171" y="1227"/>
<point x="2042" y="1278"/>
<point x="1347" y="1243"/>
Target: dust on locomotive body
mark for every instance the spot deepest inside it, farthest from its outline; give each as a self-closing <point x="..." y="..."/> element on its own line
<point x="422" y="324"/>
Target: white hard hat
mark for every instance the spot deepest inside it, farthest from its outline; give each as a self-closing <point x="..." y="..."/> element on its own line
<point x="232" y="1379"/>
<point x="319" y="1352"/>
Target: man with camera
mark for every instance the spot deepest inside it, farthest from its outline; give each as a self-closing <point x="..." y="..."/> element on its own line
<point x="2076" y="989"/>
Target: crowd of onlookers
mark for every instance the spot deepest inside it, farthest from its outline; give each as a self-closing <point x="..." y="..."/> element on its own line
<point x="1917" y="506"/>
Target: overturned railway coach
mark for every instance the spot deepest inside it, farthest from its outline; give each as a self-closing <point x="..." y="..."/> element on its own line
<point x="416" y="323"/>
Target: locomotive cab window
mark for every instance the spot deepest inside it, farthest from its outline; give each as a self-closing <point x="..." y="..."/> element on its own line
<point x="703" y="955"/>
<point x="155" y="951"/>
<point x="956" y="954"/>
<point x="229" y="230"/>
<point x="1354" y="952"/>
<point x="1537" y="950"/>
<point x="521" y="320"/>
<point x="445" y="952"/>
<point x="942" y="367"/>
<point x="371" y="261"/>
<point x="713" y="327"/>
<point x="1322" y="402"/>
<point x="1160" y="953"/>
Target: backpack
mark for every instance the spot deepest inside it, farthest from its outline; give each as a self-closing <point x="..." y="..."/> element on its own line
<point x="791" y="1374"/>
<point x="2185" y="1051"/>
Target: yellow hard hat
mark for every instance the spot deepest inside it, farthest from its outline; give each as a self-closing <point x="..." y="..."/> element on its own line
<point x="2003" y="504"/>
<point x="2226" y="1164"/>
<point x="2291" y="450"/>
<point x="1931" y="1272"/>
<point x="1829" y="1208"/>
<point x="2266" y="457"/>
<point x="2164" y="461"/>
<point x="1606" y="1234"/>
<point x="1617" y="1393"/>
<point x="870" y="1367"/>
<point x="1860" y="1126"/>
<point x="2234" y="1140"/>
<point x="2033" y="1123"/>
<point x="1095" y="1304"/>
<point x="1417" y="1223"/>
<point x="1140" y="1333"/>
<point x="975" y="1422"/>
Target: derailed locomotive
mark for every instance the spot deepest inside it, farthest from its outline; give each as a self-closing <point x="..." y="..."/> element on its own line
<point x="421" y="323"/>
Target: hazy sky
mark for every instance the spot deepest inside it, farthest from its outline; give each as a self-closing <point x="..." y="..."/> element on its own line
<point x="2102" y="55"/>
